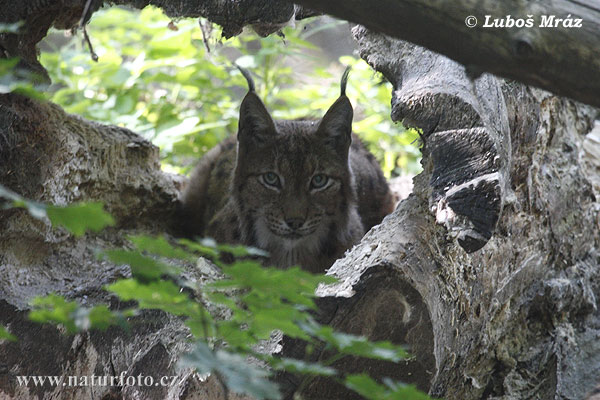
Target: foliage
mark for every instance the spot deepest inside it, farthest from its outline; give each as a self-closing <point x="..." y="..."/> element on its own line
<point x="164" y="90"/>
<point x="185" y="99"/>
<point x="76" y="218"/>
<point x="6" y="335"/>
<point x="237" y="374"/>
<point x="370" y="389"/>
<point x="260" y="300"/>
<point x="54" y="308"/>
<point x="14" y="78"/>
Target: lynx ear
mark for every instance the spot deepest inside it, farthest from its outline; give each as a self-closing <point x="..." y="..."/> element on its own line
<point x="255" y="121"/>
<point x="336" y="125"/>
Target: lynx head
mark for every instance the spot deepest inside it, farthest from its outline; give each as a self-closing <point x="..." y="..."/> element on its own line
<point x="292" y="182"/>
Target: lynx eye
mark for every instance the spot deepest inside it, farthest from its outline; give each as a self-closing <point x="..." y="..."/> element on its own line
<point x="319" y="181"/>
<point x="271" y="179"/>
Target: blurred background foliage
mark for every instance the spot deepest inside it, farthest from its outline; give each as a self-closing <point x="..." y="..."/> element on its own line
<point x="174" y="83"/>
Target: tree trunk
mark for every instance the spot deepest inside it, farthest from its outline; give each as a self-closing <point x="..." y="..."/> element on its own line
<point x="489" y="271"/>
<point x="513" y="315"/>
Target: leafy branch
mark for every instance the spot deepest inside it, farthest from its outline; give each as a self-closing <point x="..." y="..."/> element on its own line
<point x="260" y="300"/>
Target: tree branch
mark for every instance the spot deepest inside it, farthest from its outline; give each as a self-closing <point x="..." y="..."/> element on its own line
<point x="561" y="60"/>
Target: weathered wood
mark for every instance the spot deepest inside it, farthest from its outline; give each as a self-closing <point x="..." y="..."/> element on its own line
<point x="265" y="16"/>
<point x="510" y="318"/>
<point x="560" y="59"/>
<point x="51" y="156"/>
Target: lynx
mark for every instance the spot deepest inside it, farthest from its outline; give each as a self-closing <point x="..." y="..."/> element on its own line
<point x="304" y="190"/>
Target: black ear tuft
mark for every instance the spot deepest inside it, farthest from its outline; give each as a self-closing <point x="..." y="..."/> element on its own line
<point x="255" y="121"/>
<point x="248" y="77"/>
<point x="344" y="80"/>
<point x="336" y="125"/>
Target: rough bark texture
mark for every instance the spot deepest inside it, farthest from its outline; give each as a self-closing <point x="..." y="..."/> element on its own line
<point x="556" y="58"/>
<point x="517" y="319"/>
<point x="50" y="156"/>
<point x="264" y="16"/>
<point x="489" y="271"/>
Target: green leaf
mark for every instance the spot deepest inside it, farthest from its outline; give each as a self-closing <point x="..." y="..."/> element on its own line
<point x="362" y="347"/>
<point x="143" y="267"/>
<point x="366" y="387"/>
<point x="56" y="309"/>
<point x="356" y="345"/>
<point x="401" y="391"/>
<point x="158" y="295"/>
<point x="6" y="335"/>
<point x="203" y="326"/>
<point x="21" y="80"/>
<point x="220" y="298"/>
<point x="268" y="317"/>
<point x="118" y="78"/>
<point x="36" y="210"/>
<point x="200" y="248"/>
<point x="100" y="317"/>
<point x="160" y="246"/>
<point x="236" y="336"/>
<point x="239" y="376"/>
<point x="302" y="367"/>
<point x="275" y="299"/>
<point x="209" y="248"/>
<point x="78" y="218"/>
<point x="125" y="103"/>
<point x="294" y="284"/>
<point x="242" y="251"/>
<point x="370" y="389"/>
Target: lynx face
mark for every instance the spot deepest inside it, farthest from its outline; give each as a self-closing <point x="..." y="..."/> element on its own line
<point x="303" y="190"/>
<point x="292" y="180"/>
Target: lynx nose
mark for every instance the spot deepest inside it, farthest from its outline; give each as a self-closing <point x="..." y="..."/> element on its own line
<point x="294" y="223"/>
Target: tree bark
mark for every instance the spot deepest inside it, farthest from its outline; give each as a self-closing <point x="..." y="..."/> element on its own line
<point x="552" y="54"/>
<point x="518" y="318"/>
<point x="562" y="59"/>
<point x="489" y="271"/>
<point x="50" y="156"/>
